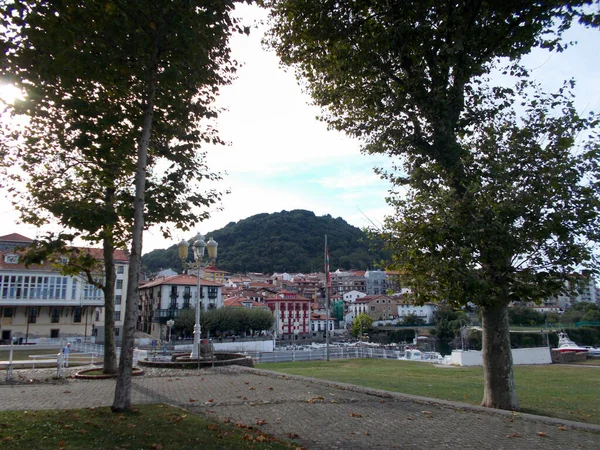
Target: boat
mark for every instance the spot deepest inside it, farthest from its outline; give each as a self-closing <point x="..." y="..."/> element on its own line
<point x="593" y="351"/>
<point x="565" y="344"/>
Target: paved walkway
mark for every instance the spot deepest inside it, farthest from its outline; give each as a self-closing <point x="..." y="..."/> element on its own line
<point x="316" y="414"/>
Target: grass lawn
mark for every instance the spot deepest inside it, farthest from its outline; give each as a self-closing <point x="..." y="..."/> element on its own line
<point x="550" y="390"/>
<point x="152" y="427"/>
<point x="23" y="354"/>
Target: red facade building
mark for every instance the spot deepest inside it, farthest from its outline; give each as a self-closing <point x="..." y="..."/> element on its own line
<point x="292" y="315"/>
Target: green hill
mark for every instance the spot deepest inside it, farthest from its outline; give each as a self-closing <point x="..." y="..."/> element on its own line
<point x="291" y="241"/>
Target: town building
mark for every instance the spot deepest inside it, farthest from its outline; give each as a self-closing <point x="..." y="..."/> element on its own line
<point x="39" y="302"/>
<point x="213" y="274"/>
<point x="381" y="307"/>
<point x="319" y="323"/>
<point x="165" y="298"/>
<point x="342" y="282"/>
<point x="424" y="312"/>
<point x="375" y="282"/>
<point x="292" y="315"/>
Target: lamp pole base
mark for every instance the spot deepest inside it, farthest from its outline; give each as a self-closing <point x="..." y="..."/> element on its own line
<point x="195" y="348"/>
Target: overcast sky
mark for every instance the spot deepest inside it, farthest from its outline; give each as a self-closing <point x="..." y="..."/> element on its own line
<point x="281" y="158"/>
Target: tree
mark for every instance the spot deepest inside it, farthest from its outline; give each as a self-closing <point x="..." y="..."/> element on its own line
<point x="448" y="322"/>
<point x="185" y="321"/>
<point x="118" y="91"/>
<point x="404" y="77"/>
<point x="529" y="217"/>
<point x="361" y="324"/>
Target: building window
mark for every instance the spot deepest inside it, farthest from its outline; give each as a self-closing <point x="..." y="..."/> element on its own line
<point x="7" y="312"/>
<point x="120" y="269"/>
<point x="77" y="315"/>
<point x="55" y="315"/>
<point x="213" y="291"/>
<point x="97" y="318"/>
<point x="117" y="331"/>
<point x="118" y="299"/>
<point x="32" y="315"/>
<point x="117" y="316"/>
<point x="54" y="333"/>
<point x="119" y="284"/>
<point x="372" y="308"/>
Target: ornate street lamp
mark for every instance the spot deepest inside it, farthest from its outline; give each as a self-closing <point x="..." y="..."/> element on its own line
<point x="199" y="248"/>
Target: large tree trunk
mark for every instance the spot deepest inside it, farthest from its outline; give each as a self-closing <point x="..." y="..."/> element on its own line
<point x="499" y="388"/>
<point x="110" y="353"/>
<point x="122" y="400"/>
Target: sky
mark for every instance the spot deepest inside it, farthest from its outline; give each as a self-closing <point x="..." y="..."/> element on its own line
<point x="280" y="157"/>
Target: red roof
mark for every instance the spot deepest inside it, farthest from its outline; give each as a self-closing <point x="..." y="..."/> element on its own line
<point x="15" y="237"/>
<point x="241" y="302"/>
<point x="180" y="280"/>
<point x="259" y="284"/>
<point x="98" y="253"/>
<point x="213" y="270"/>
<point x="317" y="316"/>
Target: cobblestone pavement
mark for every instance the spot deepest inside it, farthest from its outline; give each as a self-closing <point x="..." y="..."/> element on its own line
<point x="312" y="413"/>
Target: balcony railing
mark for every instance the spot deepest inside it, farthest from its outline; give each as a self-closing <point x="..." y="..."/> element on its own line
<point x="166" y="314"/>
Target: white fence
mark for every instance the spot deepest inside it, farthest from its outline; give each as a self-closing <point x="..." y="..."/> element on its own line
<point x="321" y="353"/>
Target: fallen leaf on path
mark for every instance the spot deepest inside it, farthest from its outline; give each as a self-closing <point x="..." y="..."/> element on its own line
<point x="292" y="435"/>
<point x="355" y="414"/>
<point x="541" y="434"/>
<point x="192" y="400"/>
<point x="261" y="422"/>
<point x="562" y="428"/>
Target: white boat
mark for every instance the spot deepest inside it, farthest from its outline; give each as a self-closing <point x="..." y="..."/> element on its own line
<point x="567" y="345"/>
<point x="593" y="351"/>
<point x="412" y="354"/>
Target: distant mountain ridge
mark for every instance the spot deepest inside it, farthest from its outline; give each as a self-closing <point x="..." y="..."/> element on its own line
<point x="291" y="241"/>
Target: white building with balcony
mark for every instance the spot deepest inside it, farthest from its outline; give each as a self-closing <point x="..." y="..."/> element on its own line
<point x="39" y="302"/>
<point x="166" y="297"/>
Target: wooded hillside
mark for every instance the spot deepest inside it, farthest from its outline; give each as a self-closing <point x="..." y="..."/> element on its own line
<point x="291" y="241"/>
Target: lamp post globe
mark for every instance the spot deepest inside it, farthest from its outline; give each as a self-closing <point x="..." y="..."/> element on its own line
<point x="182" y="248"/>
<point x="199" y="246"/>
<point x="211" y="246"/>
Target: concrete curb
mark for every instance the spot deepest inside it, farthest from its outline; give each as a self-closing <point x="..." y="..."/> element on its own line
<point x="431" y="401"/>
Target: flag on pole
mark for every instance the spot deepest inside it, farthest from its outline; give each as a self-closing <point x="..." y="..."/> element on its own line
<point x="327" y="275"/>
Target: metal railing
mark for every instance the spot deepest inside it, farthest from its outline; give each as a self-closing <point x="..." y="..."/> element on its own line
<point x="321" y="354"/>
